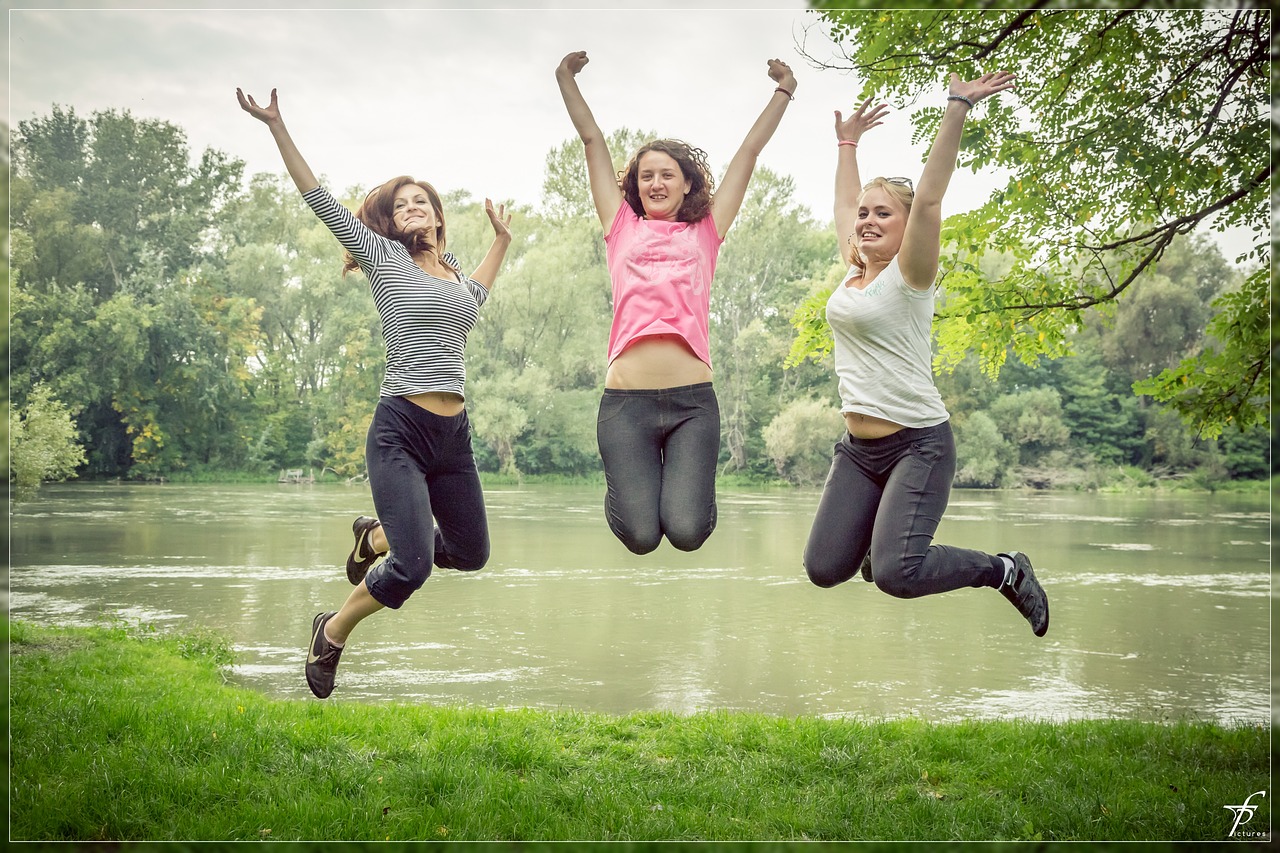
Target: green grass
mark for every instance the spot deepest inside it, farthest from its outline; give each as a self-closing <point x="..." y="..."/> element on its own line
<point x="121" y="733"/>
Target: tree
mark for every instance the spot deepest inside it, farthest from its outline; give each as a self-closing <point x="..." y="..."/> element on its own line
<point x="111" y="222"/>
<point x="799" y="440"/>
<point x="768" y="255"/>
<point x="983" y="456"/>
<point x="1033" y="421"/>
<point x="44" y="443"/>
<point x="1129" y="127"/>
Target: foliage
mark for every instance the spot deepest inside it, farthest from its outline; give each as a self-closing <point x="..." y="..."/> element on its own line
<point x="768" y="257"/>
<point x="110" y="219"/>
<point x="1033" y="420"/>
<point x="43" y="441"/>
<point x="984" y="457"/>
<point x="799" y="440"/>
<point x="1227" y="381"/>
<point x="1129" y="127"/>
<point x="244" y="349"/>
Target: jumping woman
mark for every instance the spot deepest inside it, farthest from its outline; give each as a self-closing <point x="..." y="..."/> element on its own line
<point x="658" y="426"/>
<point x="418" y="450"/>
<point x="891" y="475"/>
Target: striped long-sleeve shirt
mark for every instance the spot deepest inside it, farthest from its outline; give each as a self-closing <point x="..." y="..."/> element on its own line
<point x="425" y="320"/>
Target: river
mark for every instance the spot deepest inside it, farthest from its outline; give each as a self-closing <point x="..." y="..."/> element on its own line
<point x="1160" y="604"/>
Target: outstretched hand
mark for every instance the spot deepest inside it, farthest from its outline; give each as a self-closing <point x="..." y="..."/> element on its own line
<point x="983" y="87"/>
<point x="499" y="219"/>
<point x="573" y="63"/>
<point x="780" y="73"/>
<point x="863" y="119"/>
<point x="268" y="114"/>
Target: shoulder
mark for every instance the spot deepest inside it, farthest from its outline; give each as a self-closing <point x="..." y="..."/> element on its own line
<point x="906" y="287"/>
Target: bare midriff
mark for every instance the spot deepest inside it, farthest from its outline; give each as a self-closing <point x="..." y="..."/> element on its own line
<point x="656" y="361"/>
<point x="443" y="403"/>
<point x="869" y="426"/>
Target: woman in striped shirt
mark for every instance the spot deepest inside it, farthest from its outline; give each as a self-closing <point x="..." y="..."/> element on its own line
<point x="418" y="450"/>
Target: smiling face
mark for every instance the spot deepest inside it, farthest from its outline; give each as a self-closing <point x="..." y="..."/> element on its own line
<point x="661" y="184"/>
<point x="881" y="222"/>
<point x="411" y="210"/>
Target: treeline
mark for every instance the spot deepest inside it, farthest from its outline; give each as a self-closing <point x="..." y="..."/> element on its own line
<point x="193" y="322"/>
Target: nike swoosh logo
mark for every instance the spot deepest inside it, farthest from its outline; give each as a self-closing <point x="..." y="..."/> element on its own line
<point x="312" y="657"/>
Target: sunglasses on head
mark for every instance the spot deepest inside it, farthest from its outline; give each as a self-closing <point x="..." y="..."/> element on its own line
<point x="902" y="182"/>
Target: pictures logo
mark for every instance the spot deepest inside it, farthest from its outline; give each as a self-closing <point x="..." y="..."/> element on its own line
<point x="1244" y="813"/>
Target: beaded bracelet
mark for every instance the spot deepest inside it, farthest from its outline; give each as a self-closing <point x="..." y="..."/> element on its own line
<point x="960" y="98"/>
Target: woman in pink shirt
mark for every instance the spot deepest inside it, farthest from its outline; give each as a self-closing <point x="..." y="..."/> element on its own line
<point x="659" y="422"/>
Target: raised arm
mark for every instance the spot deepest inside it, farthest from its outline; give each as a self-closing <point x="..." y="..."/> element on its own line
<point x="733" y="188"/>
<point x="293" y="162"/>
<point x="848" y="181"/>
<point x="921" y="240"/>
<point x="605" y="191"/>
<point x="487" y="272"/>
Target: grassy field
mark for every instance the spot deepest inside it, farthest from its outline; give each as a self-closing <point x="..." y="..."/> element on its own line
<point x="121" y="733"/>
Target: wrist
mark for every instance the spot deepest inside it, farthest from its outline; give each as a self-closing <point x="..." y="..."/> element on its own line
<point x="789" y="91"/>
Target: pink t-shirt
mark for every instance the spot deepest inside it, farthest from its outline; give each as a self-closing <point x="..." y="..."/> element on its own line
<point x="661" y="274"/>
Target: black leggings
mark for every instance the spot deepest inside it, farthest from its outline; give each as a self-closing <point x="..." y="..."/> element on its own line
<point x="660" y="449"/>
<point x="886" y="496"/>
<point x="420" y="467"/>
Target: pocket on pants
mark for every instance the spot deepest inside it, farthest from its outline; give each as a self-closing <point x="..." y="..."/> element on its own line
<point x="611" y="406"/>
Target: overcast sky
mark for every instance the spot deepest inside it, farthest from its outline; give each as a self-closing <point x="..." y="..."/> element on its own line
<point x="465" y="98"/>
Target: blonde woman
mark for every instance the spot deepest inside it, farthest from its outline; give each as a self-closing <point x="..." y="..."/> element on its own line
<point x="891" y="474"/>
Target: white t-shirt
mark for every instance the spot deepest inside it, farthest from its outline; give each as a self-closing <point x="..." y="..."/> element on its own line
<point x="883" y="359"/>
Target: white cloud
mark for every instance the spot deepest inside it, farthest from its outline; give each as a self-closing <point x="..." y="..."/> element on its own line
<point x="465" y="98"/>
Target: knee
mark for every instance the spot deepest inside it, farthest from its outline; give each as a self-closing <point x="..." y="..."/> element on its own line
<point x="466" y="565"/>
<point x="638" y="539"/>
<point x="687" y="538"/>
<point x="823" y="573"/>
<point x="897" y="578"/>
<point x="470" y="559"/>
<point x="639" y="544"/>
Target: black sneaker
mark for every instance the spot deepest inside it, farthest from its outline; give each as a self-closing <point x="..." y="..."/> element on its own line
<point x="322" y="658"/>
<point x="362" y="556"/>
<point x="866" y="569"/>
<point x="1024" y="591"/>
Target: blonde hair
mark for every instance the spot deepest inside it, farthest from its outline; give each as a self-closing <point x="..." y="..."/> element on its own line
<point x="900" y="192"/>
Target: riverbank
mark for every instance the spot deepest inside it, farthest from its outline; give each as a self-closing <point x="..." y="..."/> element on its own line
<point x="1121" y="481"/>
<point x="121" y="733"/>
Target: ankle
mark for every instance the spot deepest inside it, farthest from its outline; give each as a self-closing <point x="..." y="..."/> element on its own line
<point x="331" y="640"/>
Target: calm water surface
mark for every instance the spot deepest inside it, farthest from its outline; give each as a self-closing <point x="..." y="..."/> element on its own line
<point x="1160" y="604"/>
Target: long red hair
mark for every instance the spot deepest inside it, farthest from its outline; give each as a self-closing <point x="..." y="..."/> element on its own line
<point x="377" y="212"/>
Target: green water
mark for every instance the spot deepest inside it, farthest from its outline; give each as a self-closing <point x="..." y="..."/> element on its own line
<point x="1160" y="604"/>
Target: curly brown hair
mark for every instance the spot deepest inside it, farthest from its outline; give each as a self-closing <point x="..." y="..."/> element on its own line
<point x="693" y="165"/>
<point x="904" y="195"/>
<point x="377" y="212"/>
